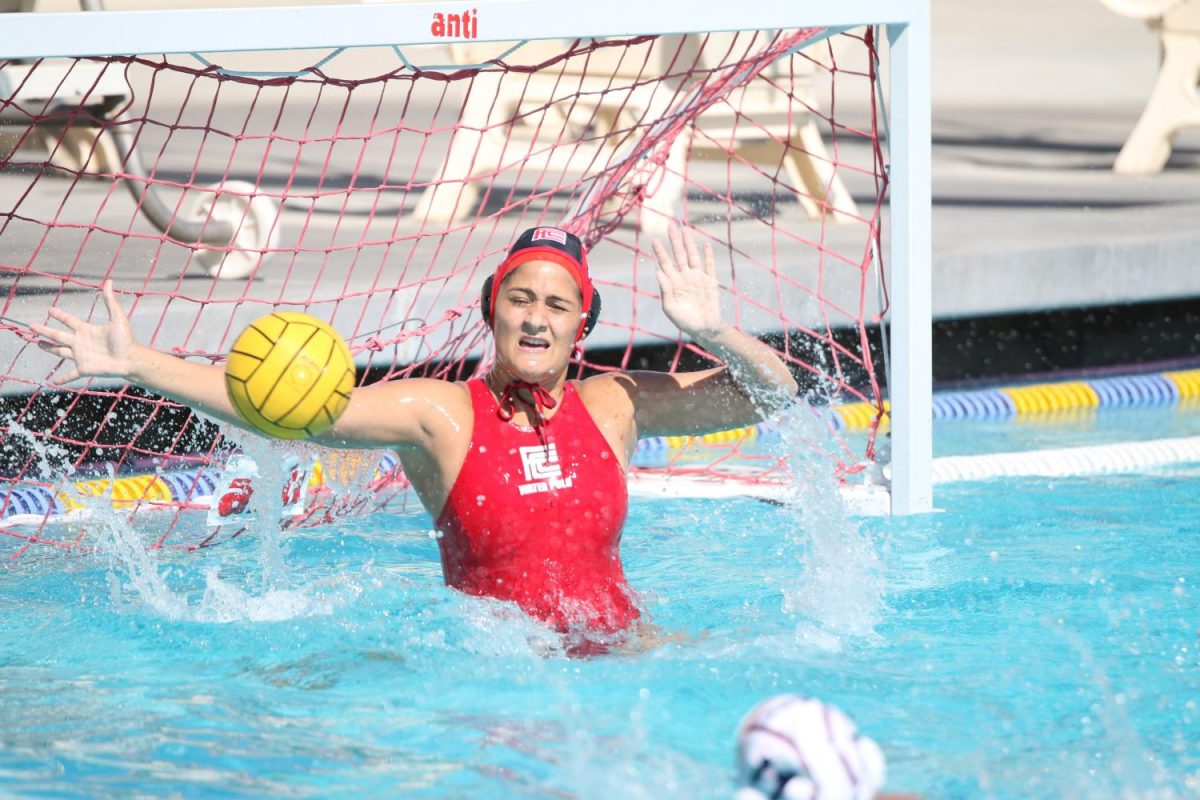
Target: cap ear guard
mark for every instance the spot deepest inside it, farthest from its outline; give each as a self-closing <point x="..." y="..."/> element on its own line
<point x="593" y="315"/>
<point x="485" y="306"/>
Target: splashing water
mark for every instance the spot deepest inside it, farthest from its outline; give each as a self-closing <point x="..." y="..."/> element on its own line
<point x="50" y="460"/>
<point x="223" y="601"/>
<point x="265" y="509"/>
<point x="114" y="537"/>
<point x="117" y="541"/>
<point x="140" y="577"/>
<point x="136" y="570"/>
<point x="839" y="591"/>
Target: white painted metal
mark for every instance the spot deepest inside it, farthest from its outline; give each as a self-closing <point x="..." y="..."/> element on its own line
<point x="299" y="27"/>
<point x="910" y="152"/>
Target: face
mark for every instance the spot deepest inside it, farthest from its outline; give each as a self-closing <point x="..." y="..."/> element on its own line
<point x="536" y="318"/>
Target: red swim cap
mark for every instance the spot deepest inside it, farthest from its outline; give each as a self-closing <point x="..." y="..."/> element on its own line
<point x="547" y="244"/>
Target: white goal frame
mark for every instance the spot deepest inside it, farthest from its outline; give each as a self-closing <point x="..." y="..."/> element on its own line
<point x="906" y="22"/>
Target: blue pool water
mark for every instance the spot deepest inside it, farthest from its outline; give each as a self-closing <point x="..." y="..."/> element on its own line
<point x="1034" y="639"/>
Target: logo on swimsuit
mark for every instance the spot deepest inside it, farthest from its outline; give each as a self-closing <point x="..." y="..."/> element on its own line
<point x="542" y="469"/>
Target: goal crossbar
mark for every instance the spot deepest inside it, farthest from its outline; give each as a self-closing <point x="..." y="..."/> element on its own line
<point x="27" y="35"/>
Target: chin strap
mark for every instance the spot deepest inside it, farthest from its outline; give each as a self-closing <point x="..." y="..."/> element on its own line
<point x="542" y="400"/>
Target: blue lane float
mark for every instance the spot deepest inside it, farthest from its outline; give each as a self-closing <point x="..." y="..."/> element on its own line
<point x="190" y="484"/>
<point x="1131" y="391"/>
<point x="1160" y="389"/>
<point x="33" y="500"/>
<point x="989" y="404"/>
<point x="1135" y="390"/>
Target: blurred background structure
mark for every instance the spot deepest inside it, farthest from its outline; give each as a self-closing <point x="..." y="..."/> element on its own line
<point x="1045" y="258"/>
<point x="1032" y="104"/>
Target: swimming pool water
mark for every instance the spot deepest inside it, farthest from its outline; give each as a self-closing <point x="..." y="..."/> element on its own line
<point x="1034" y="639"/>
<point x="1069" y="429"/>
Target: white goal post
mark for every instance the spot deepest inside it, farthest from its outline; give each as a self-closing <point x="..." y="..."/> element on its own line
<point x="905" y="23"/>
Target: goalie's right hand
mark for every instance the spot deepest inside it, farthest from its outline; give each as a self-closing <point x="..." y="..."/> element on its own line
<point x="98" y="351"/>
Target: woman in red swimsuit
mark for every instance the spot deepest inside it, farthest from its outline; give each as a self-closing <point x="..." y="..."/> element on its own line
<point x="523" y="470"/>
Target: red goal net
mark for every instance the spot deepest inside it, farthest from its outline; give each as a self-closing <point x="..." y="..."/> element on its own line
<point x="376" y="188"/>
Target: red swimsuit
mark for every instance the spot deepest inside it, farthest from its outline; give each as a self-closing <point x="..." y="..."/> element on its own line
<point x="540" y="524"/>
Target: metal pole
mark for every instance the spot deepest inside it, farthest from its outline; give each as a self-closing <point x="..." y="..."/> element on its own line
<point x="910" y="153"/>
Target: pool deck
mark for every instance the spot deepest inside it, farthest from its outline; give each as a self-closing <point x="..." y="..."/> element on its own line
<point x="1030" y="109"/>
<point x="1032" y="102"/>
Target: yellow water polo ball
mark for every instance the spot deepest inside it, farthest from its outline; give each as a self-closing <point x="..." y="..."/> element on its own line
<point x="289" y="375"/>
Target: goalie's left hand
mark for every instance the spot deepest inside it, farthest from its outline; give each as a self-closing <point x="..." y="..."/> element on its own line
<point x="691" y="296"/>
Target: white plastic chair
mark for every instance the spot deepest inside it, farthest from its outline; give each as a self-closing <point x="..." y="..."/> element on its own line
<point x="595" y="102"/>
<point x="1174" y="103"/>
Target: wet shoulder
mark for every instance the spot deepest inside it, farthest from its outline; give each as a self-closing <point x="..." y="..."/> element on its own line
<point x="436" y="390"/>
<point x="609" y="402"/>
<point x="443" y="408"/>
<point x="607" y="393"/>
